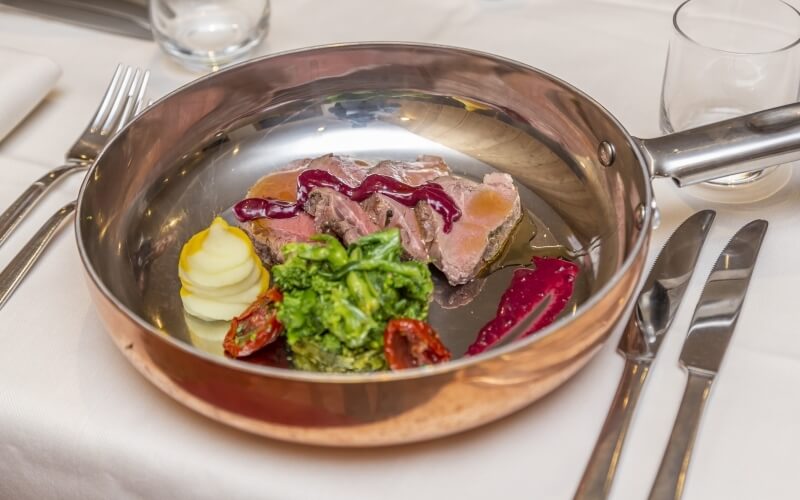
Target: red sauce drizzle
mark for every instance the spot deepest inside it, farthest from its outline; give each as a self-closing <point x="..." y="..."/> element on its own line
<point x="553" y="278"/>
<point x="432" y="193"/>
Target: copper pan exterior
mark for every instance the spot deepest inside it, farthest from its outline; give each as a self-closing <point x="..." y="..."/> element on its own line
<point x="193" y="153"/>
<point x="379" y="412"/>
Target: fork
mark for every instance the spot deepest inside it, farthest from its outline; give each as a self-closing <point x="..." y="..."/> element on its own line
<point x="122" y="101"/>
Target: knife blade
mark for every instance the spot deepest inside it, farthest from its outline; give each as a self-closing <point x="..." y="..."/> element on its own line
<point x="120" y="17"/>
<point x="653" y="313"/>
<point x="664" y="288"/>
<point x="710" y="333"/>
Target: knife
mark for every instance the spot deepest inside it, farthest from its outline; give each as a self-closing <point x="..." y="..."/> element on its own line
<point x="655" y="308"/>
<point x="120" y="17"/>
<point x="709" y="334"/>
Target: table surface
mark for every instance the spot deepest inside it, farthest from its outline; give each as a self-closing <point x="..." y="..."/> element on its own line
<point x="77" y="421"/>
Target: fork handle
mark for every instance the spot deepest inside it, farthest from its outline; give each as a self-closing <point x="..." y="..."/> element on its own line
<point x="16" y="212"/>
<point x="18" y="268"/>
<point x="599" y="473"/>
<point x="671" y="478"/>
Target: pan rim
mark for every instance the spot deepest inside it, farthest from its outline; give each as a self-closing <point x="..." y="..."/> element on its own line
<point x="388" y="376"/>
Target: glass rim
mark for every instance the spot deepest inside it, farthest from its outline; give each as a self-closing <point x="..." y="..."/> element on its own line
<point x="685" y="35"/>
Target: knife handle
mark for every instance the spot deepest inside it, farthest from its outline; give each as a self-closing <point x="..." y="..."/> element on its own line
<point x="671" y="477"/>
<point x="599" y="472"/>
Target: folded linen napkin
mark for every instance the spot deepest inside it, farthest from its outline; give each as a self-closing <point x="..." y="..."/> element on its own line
<point x="24" y="81"/>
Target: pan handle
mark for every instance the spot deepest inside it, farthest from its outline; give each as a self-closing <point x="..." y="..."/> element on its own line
<point x="742" y="144"/>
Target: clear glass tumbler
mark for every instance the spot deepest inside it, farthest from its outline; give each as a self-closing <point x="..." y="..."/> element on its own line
<point x="207" y="34"/>
<point x="727" y="58"/>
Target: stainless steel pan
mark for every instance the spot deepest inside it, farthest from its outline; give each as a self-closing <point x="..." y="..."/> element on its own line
<point x="582" y="176"/>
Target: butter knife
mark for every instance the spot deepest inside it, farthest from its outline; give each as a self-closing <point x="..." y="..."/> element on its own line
<point x="121" y="17"/>
<point x="655" y="308"/>
<point x="709" y="334"/>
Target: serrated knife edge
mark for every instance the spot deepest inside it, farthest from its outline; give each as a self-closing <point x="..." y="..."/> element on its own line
<point x="665" y="287"/>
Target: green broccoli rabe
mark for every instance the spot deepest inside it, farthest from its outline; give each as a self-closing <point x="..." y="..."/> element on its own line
<point x="337" y="301"/>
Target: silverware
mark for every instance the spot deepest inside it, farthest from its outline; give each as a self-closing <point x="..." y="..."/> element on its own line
<point x="709" y="334"/>
<point x="122" y="101"/>
<point x="655" y="308"/>
<point x="120" y="17"/>
<point x="110" y="117"/>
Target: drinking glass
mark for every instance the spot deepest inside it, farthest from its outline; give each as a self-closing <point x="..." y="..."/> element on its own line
<point x="728" y="58"/>
<point x="207" y="34"/>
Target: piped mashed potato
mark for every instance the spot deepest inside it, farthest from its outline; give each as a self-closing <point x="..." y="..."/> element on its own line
<point x="207" y="335"/>
<point x="220" y="273"/>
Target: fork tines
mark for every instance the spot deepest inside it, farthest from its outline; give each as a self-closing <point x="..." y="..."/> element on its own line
<point x="124" y="97"/>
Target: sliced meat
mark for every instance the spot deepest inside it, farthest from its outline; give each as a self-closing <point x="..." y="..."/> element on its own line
<point x="336" y="214"/>
<point x="489" y="212"/>
<point x="351" y="171"/>
<point x="414" y="173"/>
<point x="386" y="212"/>
<point x="270" y="235"/>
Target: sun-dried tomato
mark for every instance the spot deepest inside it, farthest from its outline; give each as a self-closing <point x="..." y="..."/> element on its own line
<point x="408" y="343"/>
<point x="256" y="327"/>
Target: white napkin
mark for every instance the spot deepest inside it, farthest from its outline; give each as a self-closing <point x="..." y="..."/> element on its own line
<point x="24" y="81"/>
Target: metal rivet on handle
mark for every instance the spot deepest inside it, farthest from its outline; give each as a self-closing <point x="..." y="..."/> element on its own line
<point x="606" y="153"/>
<point x="639" y="214"/>
<point x="656" y="215"/>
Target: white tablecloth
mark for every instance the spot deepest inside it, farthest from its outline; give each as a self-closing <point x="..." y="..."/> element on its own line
<point x="25" y="80"/>
<point x="76" y="421"/>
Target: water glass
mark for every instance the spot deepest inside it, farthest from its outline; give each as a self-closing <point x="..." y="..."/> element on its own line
<point x="727" y="58"/>
<point x="207" y="34"/>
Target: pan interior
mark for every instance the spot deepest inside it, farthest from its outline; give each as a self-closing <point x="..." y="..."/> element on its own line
<point x="194" y="154"/>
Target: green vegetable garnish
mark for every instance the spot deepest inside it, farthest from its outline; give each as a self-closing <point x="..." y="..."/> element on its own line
<point x="337" y="301"/>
